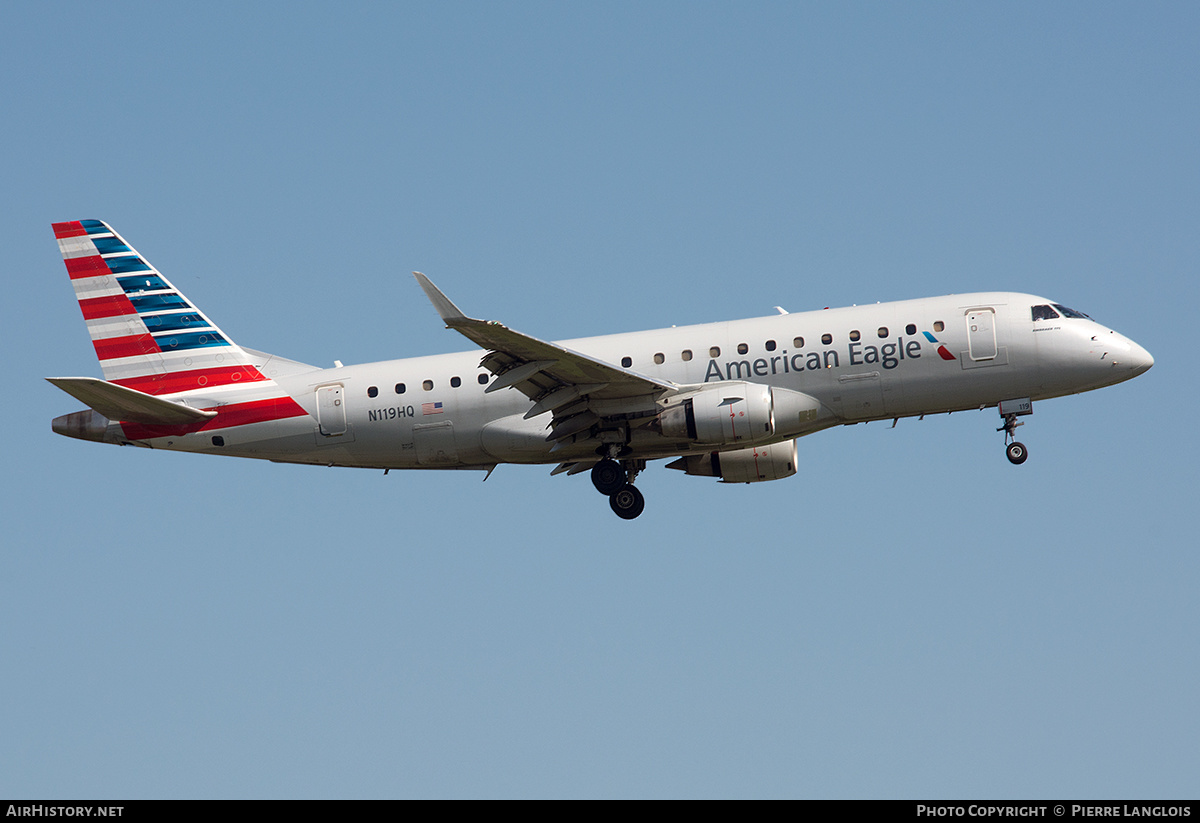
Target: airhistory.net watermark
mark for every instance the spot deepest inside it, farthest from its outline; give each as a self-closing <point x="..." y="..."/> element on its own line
<point x="43" y="810"/>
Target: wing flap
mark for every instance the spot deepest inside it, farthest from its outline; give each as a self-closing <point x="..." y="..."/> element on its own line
<point x="519" y="374"/>
<point x="558" y="398"/>
<point x="128" y="405"/>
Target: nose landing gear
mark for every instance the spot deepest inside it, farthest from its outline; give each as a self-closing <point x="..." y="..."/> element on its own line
<point x="1017" y="453"/>
<point x="615" y="481"/>
<point x="1010" y="410"/>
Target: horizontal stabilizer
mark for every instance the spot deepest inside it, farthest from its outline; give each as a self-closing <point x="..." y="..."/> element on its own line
<point x="122" y="404"/>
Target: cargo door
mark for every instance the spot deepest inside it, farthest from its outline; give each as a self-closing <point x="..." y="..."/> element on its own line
<point x="434" y="444"/>
<point x="860" y="396"/>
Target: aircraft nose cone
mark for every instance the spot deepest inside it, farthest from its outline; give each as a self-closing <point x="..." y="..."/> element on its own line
<point x="1139" y="358"/>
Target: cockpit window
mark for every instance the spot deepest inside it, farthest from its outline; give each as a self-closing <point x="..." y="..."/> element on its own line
<point x="1071" y="312"/>
<point x="1044" y="313"/>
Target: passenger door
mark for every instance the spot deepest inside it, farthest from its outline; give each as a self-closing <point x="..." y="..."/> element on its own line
<point x="981" y="334"/>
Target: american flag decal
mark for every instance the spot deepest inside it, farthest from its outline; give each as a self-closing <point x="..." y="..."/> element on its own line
<point x="431" y="408"/>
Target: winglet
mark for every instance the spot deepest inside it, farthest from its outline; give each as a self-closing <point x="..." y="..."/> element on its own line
<point x="445" y="307"/>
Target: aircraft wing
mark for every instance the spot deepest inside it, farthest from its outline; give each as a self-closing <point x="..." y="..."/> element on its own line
<point x="550" y="374"/>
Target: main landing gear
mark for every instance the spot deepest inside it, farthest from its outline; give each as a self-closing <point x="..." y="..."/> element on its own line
<point x="1010" y="410"/>
<point x="615" y="481"/>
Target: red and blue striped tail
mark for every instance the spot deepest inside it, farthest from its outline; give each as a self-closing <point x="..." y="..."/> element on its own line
<point x="148" y="336"/>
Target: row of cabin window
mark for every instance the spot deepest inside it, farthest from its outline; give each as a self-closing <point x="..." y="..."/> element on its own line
<point x="427" y="385"/>
<point x="797" y="343"/>
<point x="686" y="354"/>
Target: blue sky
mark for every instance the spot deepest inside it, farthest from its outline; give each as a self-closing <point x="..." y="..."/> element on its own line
<point x="909" y="616"/>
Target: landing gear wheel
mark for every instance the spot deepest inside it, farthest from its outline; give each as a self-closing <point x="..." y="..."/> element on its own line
<point x="1017" y="453"/>
<point x="608" y="477"/>
<point x="627" y="502"/>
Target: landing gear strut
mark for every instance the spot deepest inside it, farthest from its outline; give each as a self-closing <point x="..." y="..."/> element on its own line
<point x="1010" y="410"/>
<point x="615" y="481"/>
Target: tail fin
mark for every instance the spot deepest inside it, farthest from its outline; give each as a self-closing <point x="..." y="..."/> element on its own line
<point x="148" y="336"/>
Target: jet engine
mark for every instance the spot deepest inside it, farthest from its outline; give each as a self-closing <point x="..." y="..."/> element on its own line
<point x="753" y="465"/>
<point x="724" y="414"/>
<point x="727" y="413"/>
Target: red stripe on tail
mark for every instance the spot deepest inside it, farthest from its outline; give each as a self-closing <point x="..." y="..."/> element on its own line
<point x="188" y="380"/>
<point x="78" y="267"/>
<point x="113" y="347"/>
<point x="235" y="414"/>
<point x="71" y="228"/>
<point x="113" y="305"/>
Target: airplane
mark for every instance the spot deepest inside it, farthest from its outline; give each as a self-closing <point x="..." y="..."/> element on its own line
<point x="725" y="400"/>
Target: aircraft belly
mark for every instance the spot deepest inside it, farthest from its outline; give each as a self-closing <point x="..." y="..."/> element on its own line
<point x="514" y="439"/>
<point x="434" y="441"/>
<point x="858" y="395"/>
<point x="434" y="444"/>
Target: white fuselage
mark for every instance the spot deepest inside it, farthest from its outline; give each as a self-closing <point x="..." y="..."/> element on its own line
<point x="861" y="363"/>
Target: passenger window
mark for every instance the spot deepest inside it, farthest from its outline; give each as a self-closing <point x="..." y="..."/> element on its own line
<point x="400" y="388"/>
<point x="827" y="338"/>
<point x="626" y="362"/>
<point x="685" y="355"/>
<point x="938" y="325"/>
<point x="911" y="328"/>
<point x="743" y="348"/>
<point x="715" y="351"/>
<point x="854" y="335"/>
<point x="373" y="391"/>
<point x="455" y="382"/>
<point x="659" y="358"/>
<point x="770" y="346"/>
<point x="427" y="385"/>
<point x="883" y="332"/>
<point x="1044" y="313"/>
<point x="797" y="342"/>
<point x="483" y="379"/>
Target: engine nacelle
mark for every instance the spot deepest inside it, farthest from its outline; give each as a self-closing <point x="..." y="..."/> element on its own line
<point x="753" y="465"/>
<point x="736" y="412"/>
<point x="721" y="415"/>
